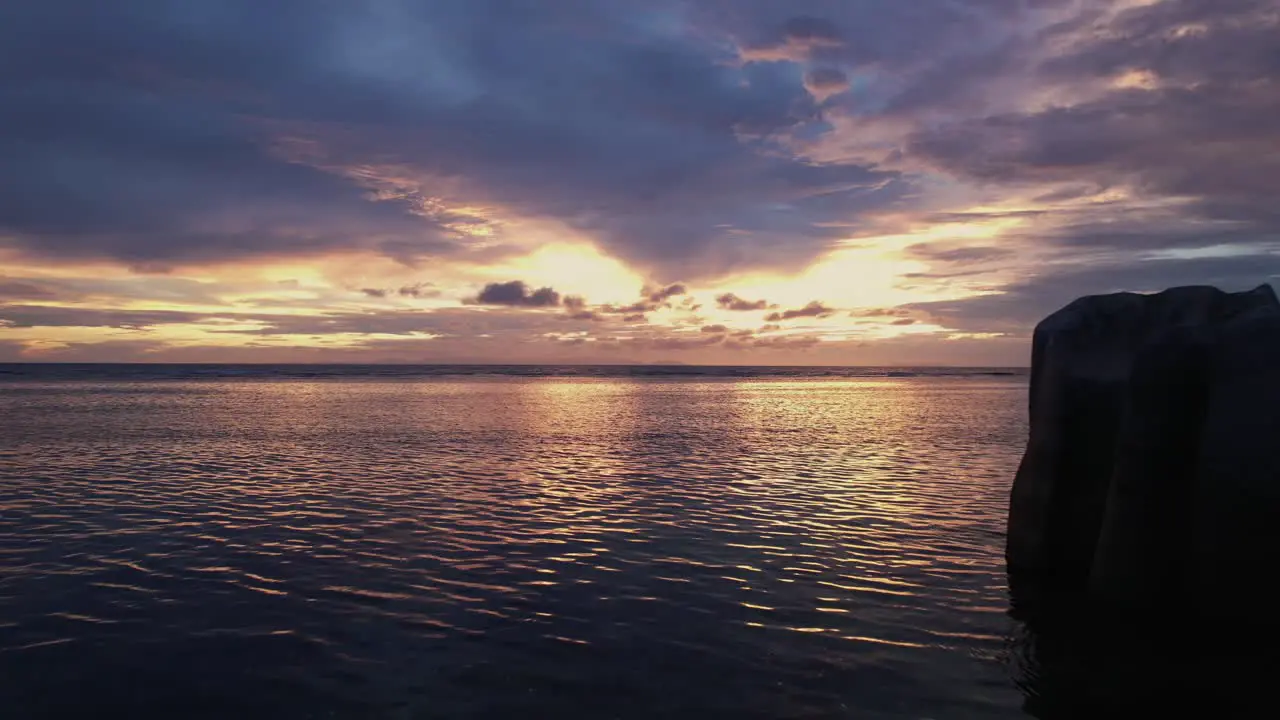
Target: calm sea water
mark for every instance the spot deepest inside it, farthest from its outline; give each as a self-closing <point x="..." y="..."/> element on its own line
<point x="506" y="543"/>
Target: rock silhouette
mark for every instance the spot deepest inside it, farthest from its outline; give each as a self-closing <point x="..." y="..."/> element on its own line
<point x="1152" y="473"/>
<point x="1144" y="522"/>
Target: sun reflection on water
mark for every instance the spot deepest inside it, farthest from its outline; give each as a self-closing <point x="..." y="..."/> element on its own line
<point x="789" y="535"/>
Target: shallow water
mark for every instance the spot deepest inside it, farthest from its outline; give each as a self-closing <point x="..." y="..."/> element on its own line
<point x="508" y="547"/>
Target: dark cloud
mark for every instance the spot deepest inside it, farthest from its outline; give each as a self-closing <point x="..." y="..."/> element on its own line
<point x="826" y="79"/>
<point x="638" y="308"/>
<point x="863" y="32"/>
<point x="1023" y="303"/>
<point x="128" y="134"/>
<point x="815" y="30"/>
<point x="814" y="309"/>
<point x="1196" y="126"/>
<point x="21" y="290"/>
<point x="32" y="316"/>
<point x="418" y="290"/>
<point x="690" y="139"/>
<point x="517" y="294"/>
<point x="1161" y="174"/>
<point x="1203" y="143"/>
<point x="714" y="329"/>
<point x="904" y="321"/>
<point x="660" y="295"/>
<point x="160" y="134"/>
<point x="651" y="299"/>
<point x="1190" y="41"/>
<point x="730" y="301"/>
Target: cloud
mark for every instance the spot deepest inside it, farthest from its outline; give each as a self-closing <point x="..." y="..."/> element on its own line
<point x="638" y="308"/>
<point x="901" y="37"/>
<point x="824" y="82"/>
<point x="957" y="255"/>
<point x="797" y="38"/>
<point x="1192" y="130"/>
<point x="730" y="301"/>
<point x="131" y="135"/>
<point x="517" y="294"/>
<point x="651" y="299"/>
<point x="1020" y="305"/>
<point x="418" y="290"/>
<point x="158" y="135"/>
<point x="31" y="316"/>
<point x="880" y="312"/>
<point x="660" y="295"/>
<point x="510" y="323"/>
<point x="814" y="309"/>
<point x="812" y="30"/>
<point x="1073" y="146"/>
<point x="1148" y="169"/>
<point x="21" y="290"/>
<point x="714" y="329"/>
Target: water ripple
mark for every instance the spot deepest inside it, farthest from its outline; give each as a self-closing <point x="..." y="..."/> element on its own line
<point x="544" y="547"/>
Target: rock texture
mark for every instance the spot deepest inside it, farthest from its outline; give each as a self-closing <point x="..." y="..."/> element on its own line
<point x="1153" y="464"/>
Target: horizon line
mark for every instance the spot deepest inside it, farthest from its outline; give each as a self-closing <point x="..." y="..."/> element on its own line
<point x="489" y="364"/>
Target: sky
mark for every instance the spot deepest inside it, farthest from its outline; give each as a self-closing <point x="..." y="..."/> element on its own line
<point x="749" y="182"/>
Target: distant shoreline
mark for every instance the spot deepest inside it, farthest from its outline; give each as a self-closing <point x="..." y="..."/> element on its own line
<point x="512" y="365"/>
<point x="156" y="372"/>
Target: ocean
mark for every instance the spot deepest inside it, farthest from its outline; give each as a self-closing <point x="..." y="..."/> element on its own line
<point x="507" y="542"/>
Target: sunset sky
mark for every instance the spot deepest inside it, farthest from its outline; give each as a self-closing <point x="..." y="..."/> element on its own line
<point x="859" y="182"/>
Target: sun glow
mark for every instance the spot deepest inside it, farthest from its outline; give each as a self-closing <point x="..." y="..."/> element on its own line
<point x="233" y="304"/>
<point x="869" y="272"/>
<point x="573" y="269"/>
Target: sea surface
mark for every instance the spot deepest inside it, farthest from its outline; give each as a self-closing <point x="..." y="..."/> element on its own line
<point x="507" y="542"/>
